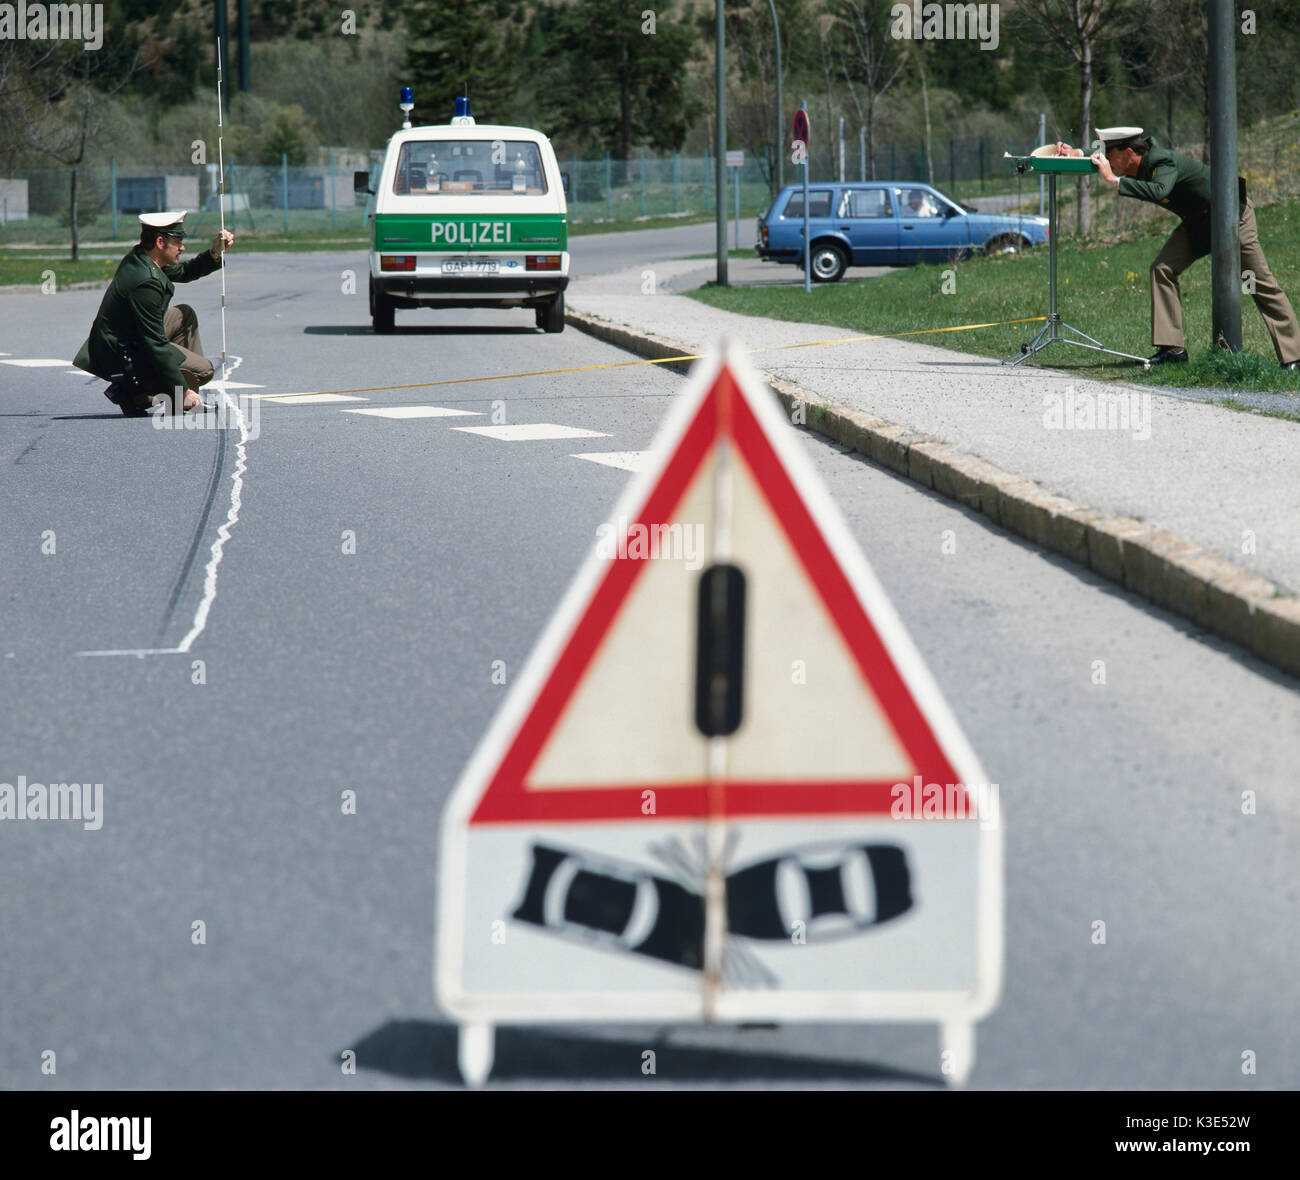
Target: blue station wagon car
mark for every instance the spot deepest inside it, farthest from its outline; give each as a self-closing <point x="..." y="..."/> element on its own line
<point x="885" y="223"/>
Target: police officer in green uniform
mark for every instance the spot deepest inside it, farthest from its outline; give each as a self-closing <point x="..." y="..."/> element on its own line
<point x="1136" y="168"/>
<point x="139" y="344"/>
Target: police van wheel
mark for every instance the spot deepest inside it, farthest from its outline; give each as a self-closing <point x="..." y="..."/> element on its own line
<point x="550" y="316"/>
<point x="381" y="315"/>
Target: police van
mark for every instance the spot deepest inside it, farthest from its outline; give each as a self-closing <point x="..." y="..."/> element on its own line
<point x="468" y="215"/>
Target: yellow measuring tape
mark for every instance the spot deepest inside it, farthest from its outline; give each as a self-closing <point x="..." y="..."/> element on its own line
<point x="663" y="360"/>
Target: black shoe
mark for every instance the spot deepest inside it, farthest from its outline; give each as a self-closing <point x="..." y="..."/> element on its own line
<point x="113" y="392"/>
<point x="1164" y="356"/>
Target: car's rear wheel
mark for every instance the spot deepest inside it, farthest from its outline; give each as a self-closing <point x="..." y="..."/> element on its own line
<point x="1006" y="244"/>
<point x="381" y="311"/>
<point x="550" y="316"/>
<point x="828" y="263"/>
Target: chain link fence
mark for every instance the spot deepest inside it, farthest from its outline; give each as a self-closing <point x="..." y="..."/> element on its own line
<point x="319" y="200"/>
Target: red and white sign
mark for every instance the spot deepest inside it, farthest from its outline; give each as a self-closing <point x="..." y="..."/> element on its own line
<point x="800" y="129"/>
<point x="837" y="856"/>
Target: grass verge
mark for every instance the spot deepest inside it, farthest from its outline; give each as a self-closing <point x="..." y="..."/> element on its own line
<point x="27" y="271"/>
<point x="1102" y="290"/>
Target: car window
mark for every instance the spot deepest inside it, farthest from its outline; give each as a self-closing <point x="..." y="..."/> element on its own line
<point x="479" y="167"/>
<point x="919" y="202"/>
<point x="871" y="202"/>
<point x="819" y="203"/>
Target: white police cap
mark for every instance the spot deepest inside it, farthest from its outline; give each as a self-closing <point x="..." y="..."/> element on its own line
<point x="1113" y="137"/>
<point x="165" y="223"/>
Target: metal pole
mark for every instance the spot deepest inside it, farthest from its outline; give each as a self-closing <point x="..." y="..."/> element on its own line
<point x="284" y="180"/>
<point x="735" y="172"/>
<point x="223" y="54"/>
<point x="1225" y="252"/>
<point x="112" y="169"/>
<point x="862" y="153"/>
<point x="1042" y="139"/>
<point x="720" y="130"/>
<point x="334" y="208"/>
<point x="841" y="149"/>
<point x="780" y="118"/>
<point x="573" y="196"/>
<point x="807" y="245"/>
<point x="245" y="74"/>
<point x="1051" y="251"/>
<point x="643" y="182"/>
<point x="675" y="163"/>
<point x="609" y="180"/>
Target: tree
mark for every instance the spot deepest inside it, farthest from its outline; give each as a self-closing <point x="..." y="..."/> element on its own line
<point x="457" y="48"/>
<point x="1078" y="29"/>
<point x="620" y="76"/>
<point x="870" y="63"/>
<point x="52" y="106"/>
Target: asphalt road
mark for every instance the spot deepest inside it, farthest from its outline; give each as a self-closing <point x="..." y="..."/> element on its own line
<point x="326" y="671"/>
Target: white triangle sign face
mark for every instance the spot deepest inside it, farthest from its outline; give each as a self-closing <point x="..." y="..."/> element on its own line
<point x="832" y="850"/>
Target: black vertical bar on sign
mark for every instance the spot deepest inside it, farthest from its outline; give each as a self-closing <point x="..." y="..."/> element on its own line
<point x="719" y="650"/>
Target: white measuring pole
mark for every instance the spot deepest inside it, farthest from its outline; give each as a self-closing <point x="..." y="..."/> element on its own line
<point x="221" y="213"/>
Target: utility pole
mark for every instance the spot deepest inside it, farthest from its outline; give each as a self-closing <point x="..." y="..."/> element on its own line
<point x="780" y="118"/>
<point x="245" y="74"/>
<point x="720" y="131"/>
<point x="1225" y="246"/>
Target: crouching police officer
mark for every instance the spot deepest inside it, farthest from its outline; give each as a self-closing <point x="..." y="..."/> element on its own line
<point x="1136" y="168"/>
<point x="139" y="344"/>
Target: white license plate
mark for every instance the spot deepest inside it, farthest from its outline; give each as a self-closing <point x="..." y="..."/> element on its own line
<point x="469" y="266"/>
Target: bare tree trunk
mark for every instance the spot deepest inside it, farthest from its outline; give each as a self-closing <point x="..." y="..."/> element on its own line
<point x="925" y="103"/>
<point x="871" y="138"/>
<point x="72" y="206"/>
<point x="1085" y="130"/>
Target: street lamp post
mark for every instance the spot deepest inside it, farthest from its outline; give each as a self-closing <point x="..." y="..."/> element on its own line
<point x="780" y="118"/>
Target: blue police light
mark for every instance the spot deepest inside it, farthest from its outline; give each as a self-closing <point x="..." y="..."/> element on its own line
<point x="408" y="96"/>
<point x="462" y="107"/>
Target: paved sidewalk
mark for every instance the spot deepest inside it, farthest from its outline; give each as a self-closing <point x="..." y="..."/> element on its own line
<point x="1225" y="480"/>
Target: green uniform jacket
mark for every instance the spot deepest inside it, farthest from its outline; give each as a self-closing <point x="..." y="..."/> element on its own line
<point x="130" y="318"/>
<point x="1181" y="185"/>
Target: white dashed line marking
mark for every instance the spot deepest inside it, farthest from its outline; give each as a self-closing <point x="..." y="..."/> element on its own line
<point x="38" y="364"/>
<point x="627" y="460"/>
<point x="307" y="399"/>
<point x="415" y="412"/>
<point x="530" y="432"/>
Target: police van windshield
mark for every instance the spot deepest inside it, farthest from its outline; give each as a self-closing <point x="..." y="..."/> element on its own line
<point x="469" y="167"/>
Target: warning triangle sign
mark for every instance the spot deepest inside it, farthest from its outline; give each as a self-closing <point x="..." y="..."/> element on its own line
<point x="834" y="707"/>
<point x="688" y="806"/>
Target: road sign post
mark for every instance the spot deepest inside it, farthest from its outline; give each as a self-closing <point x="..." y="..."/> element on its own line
<point x="801" y="147"/>
<point x="736" y="161"/>
<point x="724" y="786"/>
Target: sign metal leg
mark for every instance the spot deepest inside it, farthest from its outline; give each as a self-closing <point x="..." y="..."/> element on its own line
<point x="1054" y="330"/>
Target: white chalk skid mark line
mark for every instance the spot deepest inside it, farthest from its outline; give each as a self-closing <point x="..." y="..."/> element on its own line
<point x="218" y="545"/>
<point x="530" y="432"/>
<point x="306" y="399"/>
<point x="135" y="651"/>
<point x="626" y="460"/>
<point x="218" y="383"/>
<point x="38" y="364"/>
<point x="414" y="412"/>
<point x="223" y="533"/>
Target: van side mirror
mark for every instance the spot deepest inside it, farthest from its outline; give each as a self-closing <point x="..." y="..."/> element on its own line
<point x="564" y="179"/>
<point x="361" y="182"/>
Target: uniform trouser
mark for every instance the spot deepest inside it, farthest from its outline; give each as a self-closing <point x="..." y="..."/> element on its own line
<point x="1177" y="255"/>
<point x="182" y="328"/>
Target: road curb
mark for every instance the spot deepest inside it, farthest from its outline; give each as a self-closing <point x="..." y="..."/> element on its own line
<point x="1169" y="570"/>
